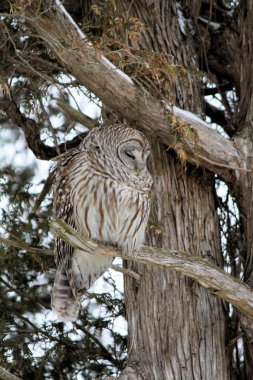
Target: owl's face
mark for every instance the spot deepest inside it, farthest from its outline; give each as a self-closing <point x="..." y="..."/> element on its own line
<point x="121" y="148"/>
<point x="133" y="155"/>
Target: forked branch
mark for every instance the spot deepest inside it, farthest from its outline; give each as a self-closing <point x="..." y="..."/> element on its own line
<point x="218" y="282"/>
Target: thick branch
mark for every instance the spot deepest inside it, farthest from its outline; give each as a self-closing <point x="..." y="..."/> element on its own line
<point x="201" y="270"/>
<point x="117" y="91"/>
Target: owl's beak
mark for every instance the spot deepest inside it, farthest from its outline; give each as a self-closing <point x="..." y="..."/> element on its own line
<point x="139" y="159"/>
<point x="137" y="172"/>
<point x="139" y="164"/>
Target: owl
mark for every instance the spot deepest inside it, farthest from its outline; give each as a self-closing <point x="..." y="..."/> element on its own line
<point x="102" y="189"/>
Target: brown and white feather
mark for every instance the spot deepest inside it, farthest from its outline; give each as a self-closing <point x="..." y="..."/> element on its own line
<point x="104" y="193"/>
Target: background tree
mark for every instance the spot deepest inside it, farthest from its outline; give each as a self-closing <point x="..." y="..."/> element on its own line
<point x="177" y="54"/>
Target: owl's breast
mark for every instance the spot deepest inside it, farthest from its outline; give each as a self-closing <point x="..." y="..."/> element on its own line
<point x="110" y="212"/>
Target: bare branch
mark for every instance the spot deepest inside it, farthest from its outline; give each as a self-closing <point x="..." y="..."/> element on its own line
<point x="76" y="115"/>
<point x="5" y="375"/>
<point x="46" y="189"/>
<point x="107" y="355"/>
<point x="117" y="91"/>
<point x="21" y="245"/>
<point x="127" y="272"/>
<point x="218" y="282"/>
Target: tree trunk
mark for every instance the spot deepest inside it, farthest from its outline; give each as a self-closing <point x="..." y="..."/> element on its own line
<point x="176" y="328"/>
<point x="244" y="139"/>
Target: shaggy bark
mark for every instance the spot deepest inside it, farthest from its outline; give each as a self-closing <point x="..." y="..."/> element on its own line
<point x="244" y="192"/>
<point x="181" y="317"/>
<point x="184" y="209"/>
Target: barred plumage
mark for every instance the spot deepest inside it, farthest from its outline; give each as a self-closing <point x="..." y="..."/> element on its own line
<point x="102" y="189"/>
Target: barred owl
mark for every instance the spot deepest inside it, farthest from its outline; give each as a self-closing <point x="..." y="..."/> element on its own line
<point x="102" y="189"/>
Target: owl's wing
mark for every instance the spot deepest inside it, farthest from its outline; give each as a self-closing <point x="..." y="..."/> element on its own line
<point x="76" y="270"/>
<point x="64" y="300"/>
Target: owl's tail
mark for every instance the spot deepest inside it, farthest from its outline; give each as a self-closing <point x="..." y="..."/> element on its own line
<point x="64" y="303"/>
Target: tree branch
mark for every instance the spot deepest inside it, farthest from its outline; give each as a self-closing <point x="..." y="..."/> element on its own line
<point x="76" y="115"/>
<point x="5" y="375"/>
<point x="72" y="49"/>
<point x="127" y="272"/>
<point x="218" y="282"/>
<point x="21" y="245"/>
<point x="106" y="354"/>
<point x="32" y="131"/>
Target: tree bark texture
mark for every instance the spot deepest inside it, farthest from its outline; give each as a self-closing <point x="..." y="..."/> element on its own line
<point x="177" y="330"/>
<point x="243" y="68"/>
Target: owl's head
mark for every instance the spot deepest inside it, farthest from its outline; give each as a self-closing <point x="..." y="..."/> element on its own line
<point x="124" y="146"/>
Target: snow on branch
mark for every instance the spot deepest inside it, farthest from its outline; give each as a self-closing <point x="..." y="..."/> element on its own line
<point x="84" y="38"/>
<point x="58" y="31"/>
<point x="218" y="282"/>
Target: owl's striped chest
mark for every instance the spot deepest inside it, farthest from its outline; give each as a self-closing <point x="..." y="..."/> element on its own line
<point x="109" y="211"/>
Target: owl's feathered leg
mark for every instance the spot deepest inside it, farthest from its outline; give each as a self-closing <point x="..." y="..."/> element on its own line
<point x="87" y="268"/>
<point x="64" y="303"/>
